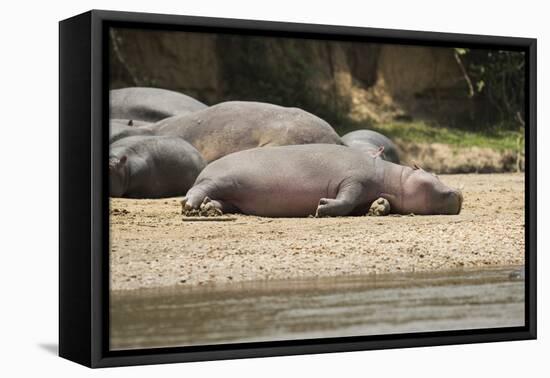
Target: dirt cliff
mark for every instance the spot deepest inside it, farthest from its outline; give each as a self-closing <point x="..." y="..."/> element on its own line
<point x="364" y="82"/>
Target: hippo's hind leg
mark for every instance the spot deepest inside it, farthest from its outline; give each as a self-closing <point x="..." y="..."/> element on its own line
<point x="223" y="207"/>
<point x="188" y="204"/>
<point x="193" y="199"/>
<point x="198" y="200"/>
<point x="345" y="202"/>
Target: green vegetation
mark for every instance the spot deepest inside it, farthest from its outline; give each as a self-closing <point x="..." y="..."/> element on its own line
<point x="423" y="133"/>
<point x="498" y="78"/>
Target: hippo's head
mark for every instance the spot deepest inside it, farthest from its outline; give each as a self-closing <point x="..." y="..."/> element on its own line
<point x="424" y="194"/>
<point x="117" y="175"/>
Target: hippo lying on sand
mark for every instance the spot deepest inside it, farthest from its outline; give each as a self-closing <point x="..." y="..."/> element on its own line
<point x="123" y="128"/>
<point x="372" y="143"/>
<point x="237" y="125"/>
<point x="150" y="104"/>
<point x="152" y="167"/>
<point x="321" y="179"/>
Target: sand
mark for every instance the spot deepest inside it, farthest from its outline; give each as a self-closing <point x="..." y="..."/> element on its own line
<point x="152" y="247"/>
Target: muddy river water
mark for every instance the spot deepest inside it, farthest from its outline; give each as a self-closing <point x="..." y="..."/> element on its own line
<point x="314" y="308"/>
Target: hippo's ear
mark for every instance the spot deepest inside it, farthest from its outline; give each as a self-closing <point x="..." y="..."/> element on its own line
<point x="116" y="163"/>
<point x="378" y="152"/>
<point x="416" y="166"/>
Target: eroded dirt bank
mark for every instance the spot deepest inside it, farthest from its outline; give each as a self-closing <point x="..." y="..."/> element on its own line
<point x="152" y="247"/>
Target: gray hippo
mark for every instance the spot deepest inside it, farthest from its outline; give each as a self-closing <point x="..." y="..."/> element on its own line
<point x="240" y="125"/>
<point x="320" y="179"/>
<point x="130" y="122"/>
<point x="123" y="128"/>
<point x="372" y="143"/>
<point x="150" y="104"/>
<point x="152" y="167"/>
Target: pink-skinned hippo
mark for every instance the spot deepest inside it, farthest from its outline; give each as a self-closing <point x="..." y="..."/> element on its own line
<point x="152" y="167"/>
<point x="150" y="104"/>
<point x="240" y="125"/>
<point x="316" y="179"/>
<point x="373" y="143"/>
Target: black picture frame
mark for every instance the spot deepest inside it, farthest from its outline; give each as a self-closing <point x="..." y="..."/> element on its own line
<point x="83" y="193"/>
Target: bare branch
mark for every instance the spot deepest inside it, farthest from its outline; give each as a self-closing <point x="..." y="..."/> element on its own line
<point x="465" y="74"/>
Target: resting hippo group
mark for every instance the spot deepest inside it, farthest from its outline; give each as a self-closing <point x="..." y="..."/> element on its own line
<point x="259" y="159"/>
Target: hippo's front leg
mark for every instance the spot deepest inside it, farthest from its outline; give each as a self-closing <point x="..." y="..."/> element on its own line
<point x="346" y="200"/>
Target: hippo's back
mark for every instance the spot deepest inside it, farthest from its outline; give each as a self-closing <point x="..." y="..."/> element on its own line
<point x="119" y="129"/>
<point x="366" y="139"/>
<point x="240" y="125"/>
<point x="150" y="104"/>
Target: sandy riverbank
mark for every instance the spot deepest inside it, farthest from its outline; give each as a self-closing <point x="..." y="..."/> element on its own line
<point x="152" y="247"/>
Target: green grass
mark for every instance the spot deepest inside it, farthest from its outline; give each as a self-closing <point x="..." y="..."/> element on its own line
<point x="423" y="133"/>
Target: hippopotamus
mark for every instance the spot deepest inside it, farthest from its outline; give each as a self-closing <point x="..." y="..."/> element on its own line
<point x="122" y="128"/>
<point x="150" y="104"/>
<point x="240" y="125"/>
<point x="373" y="143"/>
<point x="152" y="167"/>
<point x="316" y="179"/>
